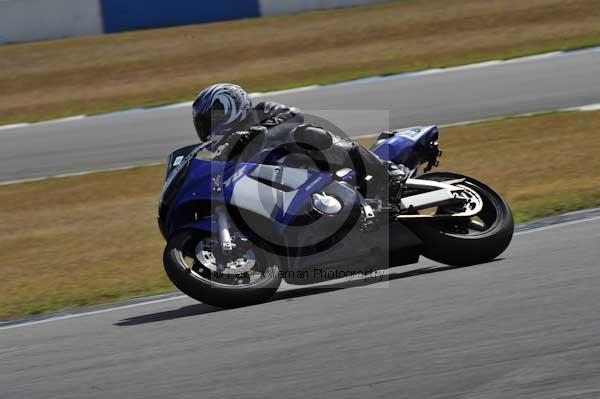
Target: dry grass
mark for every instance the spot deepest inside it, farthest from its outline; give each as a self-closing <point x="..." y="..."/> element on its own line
<point x="94" y="74"/>
<point x="90" y="239"/>
<point x="81" y="240"/>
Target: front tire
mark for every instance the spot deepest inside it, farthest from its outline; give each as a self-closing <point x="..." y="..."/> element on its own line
<point x="212" y="288"/>
<point x="457" y="245"/>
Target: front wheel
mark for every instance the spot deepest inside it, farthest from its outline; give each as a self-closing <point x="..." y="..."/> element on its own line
<point x="467" y="241"/>
<point x="194" y="265"/>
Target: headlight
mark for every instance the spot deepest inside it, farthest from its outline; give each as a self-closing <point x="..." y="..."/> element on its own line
<point x="326" y="204"/>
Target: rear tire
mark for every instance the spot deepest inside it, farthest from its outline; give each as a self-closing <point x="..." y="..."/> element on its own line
<point x="215" y="293"/>
<point x="442" y="243"/>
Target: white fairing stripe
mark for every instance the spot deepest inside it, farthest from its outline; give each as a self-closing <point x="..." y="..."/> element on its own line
<point x="259" y="198"/>
<point x="246" y="196"/>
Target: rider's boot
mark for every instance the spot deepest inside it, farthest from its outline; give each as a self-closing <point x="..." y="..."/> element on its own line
<point x="398" y="174"/>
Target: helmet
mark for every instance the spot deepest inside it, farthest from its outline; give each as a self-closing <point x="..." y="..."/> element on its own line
<point x="221" y="109"/>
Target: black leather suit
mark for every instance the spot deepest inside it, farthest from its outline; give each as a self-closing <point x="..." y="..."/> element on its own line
<point x="285" y="128"/>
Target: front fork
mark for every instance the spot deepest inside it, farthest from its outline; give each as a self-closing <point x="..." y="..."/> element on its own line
<point x="225" y="239"/>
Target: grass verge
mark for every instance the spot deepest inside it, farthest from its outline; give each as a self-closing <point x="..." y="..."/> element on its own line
<point x="105" y="73"/>
<point x="89" y="239"/>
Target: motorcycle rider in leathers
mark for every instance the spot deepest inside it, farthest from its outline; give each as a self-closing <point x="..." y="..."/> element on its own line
<point x="224" y="114"/>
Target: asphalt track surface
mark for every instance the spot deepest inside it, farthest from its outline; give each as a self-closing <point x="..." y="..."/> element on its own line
<point x="456" y="95"/>
<point x="524" y="326"/>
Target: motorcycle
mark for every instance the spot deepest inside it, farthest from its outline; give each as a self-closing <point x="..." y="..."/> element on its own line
<point x="235" y="230"/>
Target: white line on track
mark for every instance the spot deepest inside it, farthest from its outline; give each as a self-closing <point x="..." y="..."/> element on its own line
<point x="589" y="107"/>
<point x="14" y="126"/>
<point x="583" y="108"/>
<point x="179" y="297"/>
<point x="93" y="312"/>
<point x="562" y="224"/>
<point x="83" y="173"/>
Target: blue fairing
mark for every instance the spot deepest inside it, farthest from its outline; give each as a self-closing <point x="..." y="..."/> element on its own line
<point x="193" y="204"/>
<point x="406" y="146"/>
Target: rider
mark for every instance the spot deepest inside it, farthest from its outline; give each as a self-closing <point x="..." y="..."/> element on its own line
<point x="224" y="114"/>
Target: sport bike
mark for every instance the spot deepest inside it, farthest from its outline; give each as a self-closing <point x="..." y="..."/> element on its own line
<point x="236" y="229"/>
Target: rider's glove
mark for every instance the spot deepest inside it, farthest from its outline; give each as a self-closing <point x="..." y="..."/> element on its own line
<point x="238" y="142"/>
<point x="245" y="138"/>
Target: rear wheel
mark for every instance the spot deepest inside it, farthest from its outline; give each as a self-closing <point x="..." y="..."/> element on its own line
<point x="194" y="264"/>
<point x="467" y="241"/>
